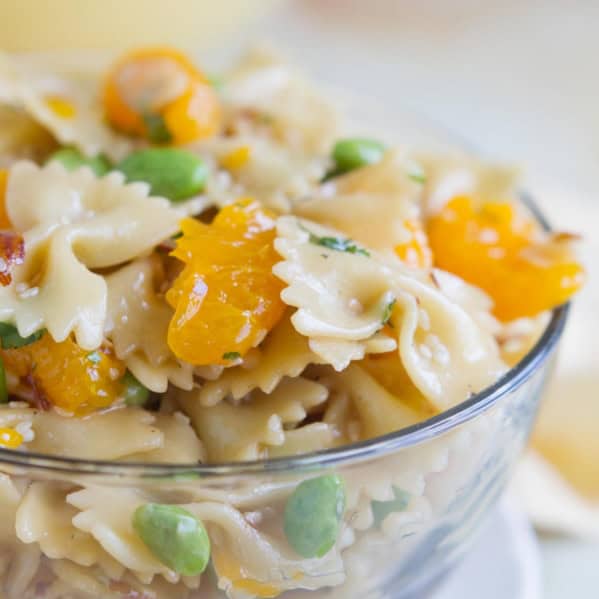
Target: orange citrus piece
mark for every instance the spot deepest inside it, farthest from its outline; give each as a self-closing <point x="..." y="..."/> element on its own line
<point x="416" y="252"/>
<point x="64" y="375"/>
<point x="226" y="299"/>
<point x="389" y="371"/>
<point x="506" y="253"/>
<point x="159" y="94"/>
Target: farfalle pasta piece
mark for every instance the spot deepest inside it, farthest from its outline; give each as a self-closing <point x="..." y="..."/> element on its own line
<point x="9" y="501"/>
<point x="73" y="222"/>
<point x="315" y="436"/>
<point x="345" y="294"/>
<point x="245" y="431"/>
<point x="453" y="175"/>
<point x="340" y="352"/>
<point x="263" y="168"/>
<point x="22" y="137"/>
<point x="379" y="411"/>
<point x="73" y="580"/>
<point x="262" y="87"/>
<point x="44" y="517"/>
<point x="106" y="514"/>
<point x="69" y="108"/>
<point x="339" y="293"/>
<point x="132" y="304"/>
<point x="372" y="204"/>
<point x="180" y="443"/>
<point x="445" y="353"/>
<point x="472" y="299"/>
<point x="284" y="353"/>
<point x="23" y="565"/>
<point x="104" y="435"/>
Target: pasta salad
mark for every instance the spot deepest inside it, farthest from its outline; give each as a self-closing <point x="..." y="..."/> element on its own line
<point x="199" y="269"/>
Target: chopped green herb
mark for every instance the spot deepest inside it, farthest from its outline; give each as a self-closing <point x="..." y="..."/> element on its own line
<point x="231" y="355"/>
<point x="11" y="339"/>
<point x="94" y="357"/>
<point x="3" y="385"/>
<point x="158" y="132"/>
<point x="417" y="176"/>
<point x="381" y="509"/>
<point x="339" y="244"/>
<point x="388" y="311"/>
<point x="216" y="81"/>
<point x="331" y="174"/>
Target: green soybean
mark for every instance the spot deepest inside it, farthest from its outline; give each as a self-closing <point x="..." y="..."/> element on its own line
<point x="172" y="173"/>
<point x="3" y="385"/>
<point x="72" y="159"/>
<point x="10" y="338"/>
<point x="313" y="514"/>
<point x="135" y="393"/>
<point x="353" y="153"/>
<point x="175" y="536"/>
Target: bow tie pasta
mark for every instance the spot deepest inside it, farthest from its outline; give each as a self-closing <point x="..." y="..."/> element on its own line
<point x="199" y="269"/>
<point x="72" y="223"/>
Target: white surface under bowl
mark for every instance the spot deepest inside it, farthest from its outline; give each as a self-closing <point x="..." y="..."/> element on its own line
<point x="504" y="562"/>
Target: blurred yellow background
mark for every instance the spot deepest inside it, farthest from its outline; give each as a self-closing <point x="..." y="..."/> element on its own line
<point x="117" y="24"/>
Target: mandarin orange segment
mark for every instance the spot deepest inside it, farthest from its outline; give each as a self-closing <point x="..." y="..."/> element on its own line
<point x="76" y="380"/>
<point x="416" y="252"/>
<point x="158" y="93"/>
<point x="226" y="298"/>
<point x="504" y="252"/>
<point x="389" y="371"/>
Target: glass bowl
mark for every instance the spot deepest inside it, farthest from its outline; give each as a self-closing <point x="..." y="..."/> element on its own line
<point x="414" y="501"/>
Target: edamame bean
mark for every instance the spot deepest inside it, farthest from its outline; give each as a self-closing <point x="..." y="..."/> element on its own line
<point x="313" y="515"/>
<point x="353" y="153"/>
<point x="72" y="159"/>
<point x="175" y="536"/>
<point x="172" y="173"/>
<point x="135" y="393"/>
